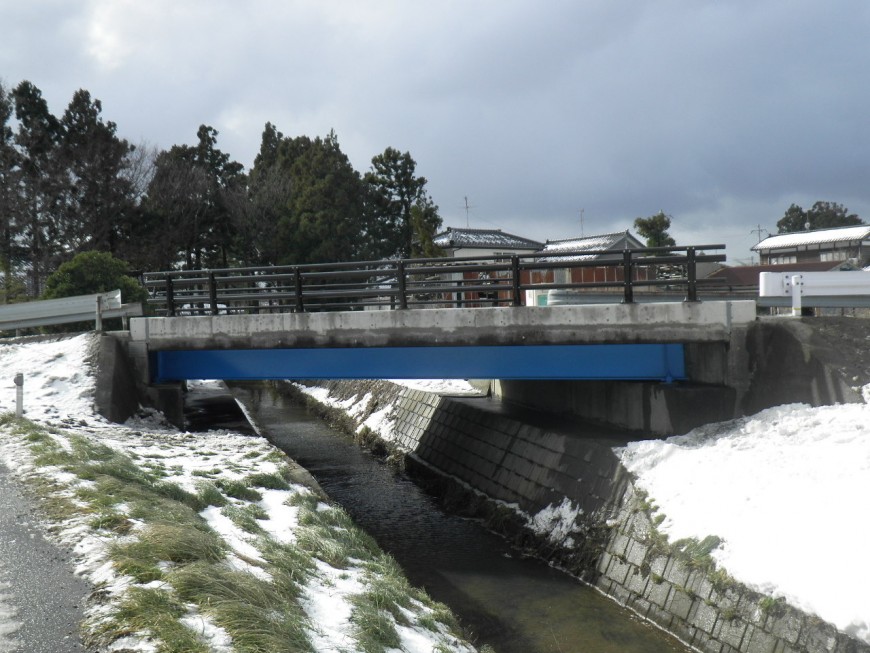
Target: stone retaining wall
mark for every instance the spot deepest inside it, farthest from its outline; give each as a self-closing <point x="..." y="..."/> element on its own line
<point x="551" y="478"/>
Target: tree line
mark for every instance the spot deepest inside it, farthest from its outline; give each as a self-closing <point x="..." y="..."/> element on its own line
<point x="71" y="184"/>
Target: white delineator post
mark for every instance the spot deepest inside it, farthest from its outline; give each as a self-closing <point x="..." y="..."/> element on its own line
<point x="797" y="291"/>
<point x="19" y="394"/>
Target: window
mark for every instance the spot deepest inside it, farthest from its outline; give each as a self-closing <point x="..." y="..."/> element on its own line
<point x="836" y="255"/>
<point x="781" y="259"/>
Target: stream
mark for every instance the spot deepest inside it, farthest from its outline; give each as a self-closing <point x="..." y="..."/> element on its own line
<point x="514" y="603"/>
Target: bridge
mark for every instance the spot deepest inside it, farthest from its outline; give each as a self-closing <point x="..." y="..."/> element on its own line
<point x="451" y="318"/>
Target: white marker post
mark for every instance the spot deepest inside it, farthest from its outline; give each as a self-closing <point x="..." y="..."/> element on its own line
<point x="19" y="395"/>
<point x="797" y="291"/>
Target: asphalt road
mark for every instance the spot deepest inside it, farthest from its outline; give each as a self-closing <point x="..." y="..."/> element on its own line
<point x="41" y="599"/>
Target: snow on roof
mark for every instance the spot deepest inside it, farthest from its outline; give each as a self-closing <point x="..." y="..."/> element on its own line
<point x="816" y="237"/>
<point x="587" y="244"/>
<point x="483" y="238"/>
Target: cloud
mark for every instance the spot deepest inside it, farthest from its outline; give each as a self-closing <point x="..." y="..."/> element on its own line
<point x="721" y="114"/>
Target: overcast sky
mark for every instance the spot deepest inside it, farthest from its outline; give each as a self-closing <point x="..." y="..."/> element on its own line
<point x="719" y="112"/>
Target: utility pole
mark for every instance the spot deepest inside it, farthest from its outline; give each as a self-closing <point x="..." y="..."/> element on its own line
<point x="466" y="211"/>
<point x="581" y="222"/>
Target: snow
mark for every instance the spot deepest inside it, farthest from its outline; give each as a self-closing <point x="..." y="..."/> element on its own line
<point x="819" y="236"/>
<point x="598" y="243"/>
<point x="59" y="392"/>
<point x="557" y="522"/>
<point x="785" y="489"/>
<point x="448" y="387"/>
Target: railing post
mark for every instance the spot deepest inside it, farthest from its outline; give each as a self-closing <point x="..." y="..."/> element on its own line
<point x="297" y="282"/>
<point x="170" y="297"/>
<point x="98" y="326"/>
<point x="212" y="293"/>
<point x="400" y="278"/>
<point x="628" y="289"/>
<point x="692" y="275"/>
<point x="515" y="281"/>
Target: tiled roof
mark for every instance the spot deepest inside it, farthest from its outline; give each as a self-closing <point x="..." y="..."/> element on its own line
<point x="586" y="243"/>
<point x="817" y="237"/>
<point x="483" y="239"/>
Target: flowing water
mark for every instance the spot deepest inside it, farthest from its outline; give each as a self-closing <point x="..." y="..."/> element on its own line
<point x="514" y="603"/>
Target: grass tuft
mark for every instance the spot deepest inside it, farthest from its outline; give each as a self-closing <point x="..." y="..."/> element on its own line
<point x="246" y="516"/>
<point x="258" y="616"/>
<point x="239" y="490"/>
<point x="156" y="612"/>
<point x="269" y="481"/>
<point x="209" y="494"/>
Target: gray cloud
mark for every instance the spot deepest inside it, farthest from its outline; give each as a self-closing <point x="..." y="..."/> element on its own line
<point x="721" y="114"/>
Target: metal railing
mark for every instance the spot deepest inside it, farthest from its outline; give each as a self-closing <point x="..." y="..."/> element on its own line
<point x="421" y="283"/>
<point x="67" y="310"/>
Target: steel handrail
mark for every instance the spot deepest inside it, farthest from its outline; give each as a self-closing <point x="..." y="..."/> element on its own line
<point x="405" y="283"/>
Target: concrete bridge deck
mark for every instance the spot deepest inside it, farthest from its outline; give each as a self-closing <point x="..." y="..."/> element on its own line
<point x="678" y="322"/>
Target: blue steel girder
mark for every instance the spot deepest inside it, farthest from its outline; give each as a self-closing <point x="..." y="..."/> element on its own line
<point x="660" y="362"/>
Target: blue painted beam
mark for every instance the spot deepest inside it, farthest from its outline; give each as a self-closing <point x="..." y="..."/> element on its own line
<point x="664" y="362"/>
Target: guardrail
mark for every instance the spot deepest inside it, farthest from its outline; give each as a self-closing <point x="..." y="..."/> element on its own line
<point x="421" y="283"/>
<point x="835" y="289"/>
<point x="66" y="310"/>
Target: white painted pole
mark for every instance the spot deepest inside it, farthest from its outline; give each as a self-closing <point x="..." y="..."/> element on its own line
<point x="99" y="324"/>
<point x="19" y="395"/>
<point x="797" y="291"/>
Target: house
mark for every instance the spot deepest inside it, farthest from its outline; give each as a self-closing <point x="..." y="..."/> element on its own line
<point x="587" y="249"/>
<point x="458" y="243"/>
<point x="601" y="247"/>
<point x="820" y="245"/>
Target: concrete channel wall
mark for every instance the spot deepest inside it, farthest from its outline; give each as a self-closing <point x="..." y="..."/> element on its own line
<point x="579" y="506"/>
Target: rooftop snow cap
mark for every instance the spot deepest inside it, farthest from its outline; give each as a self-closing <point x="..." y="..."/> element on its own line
<point x="483" y="239"/>
<point x="618" y="240"/>
<point x="816" y="237"/>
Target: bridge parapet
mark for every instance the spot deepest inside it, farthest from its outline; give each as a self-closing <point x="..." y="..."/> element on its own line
<point x="678" y="322"/>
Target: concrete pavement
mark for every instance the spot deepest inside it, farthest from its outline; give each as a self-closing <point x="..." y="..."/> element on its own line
<point x="41" y="599"/>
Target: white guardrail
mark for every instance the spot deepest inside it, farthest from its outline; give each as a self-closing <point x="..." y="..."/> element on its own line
<point x="83" y="308"/>
<point x="814" y="289"/>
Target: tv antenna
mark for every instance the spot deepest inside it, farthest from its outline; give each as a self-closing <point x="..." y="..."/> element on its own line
<point x="467" y="207"/>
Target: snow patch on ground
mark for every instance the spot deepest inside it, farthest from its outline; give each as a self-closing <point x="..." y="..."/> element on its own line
<point x="59" y="389"/>
<point x="786" y="490"/>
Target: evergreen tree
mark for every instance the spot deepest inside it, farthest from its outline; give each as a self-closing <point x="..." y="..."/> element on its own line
<point x="823" y="215"/>
<point x="266" y="201"/>
<point x="9" y="213"/>
<point x="402" y="216"/>
<point x="100" y="198"/>
<point x="188" y="200"/>
<point x="655" y="230"/>
<point x="41" y="184"/>
<point x="308" y="200"/>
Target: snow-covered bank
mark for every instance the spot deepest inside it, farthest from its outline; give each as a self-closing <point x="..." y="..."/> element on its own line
<point x="59" y="390"/>
<point x="787" y="491"/>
